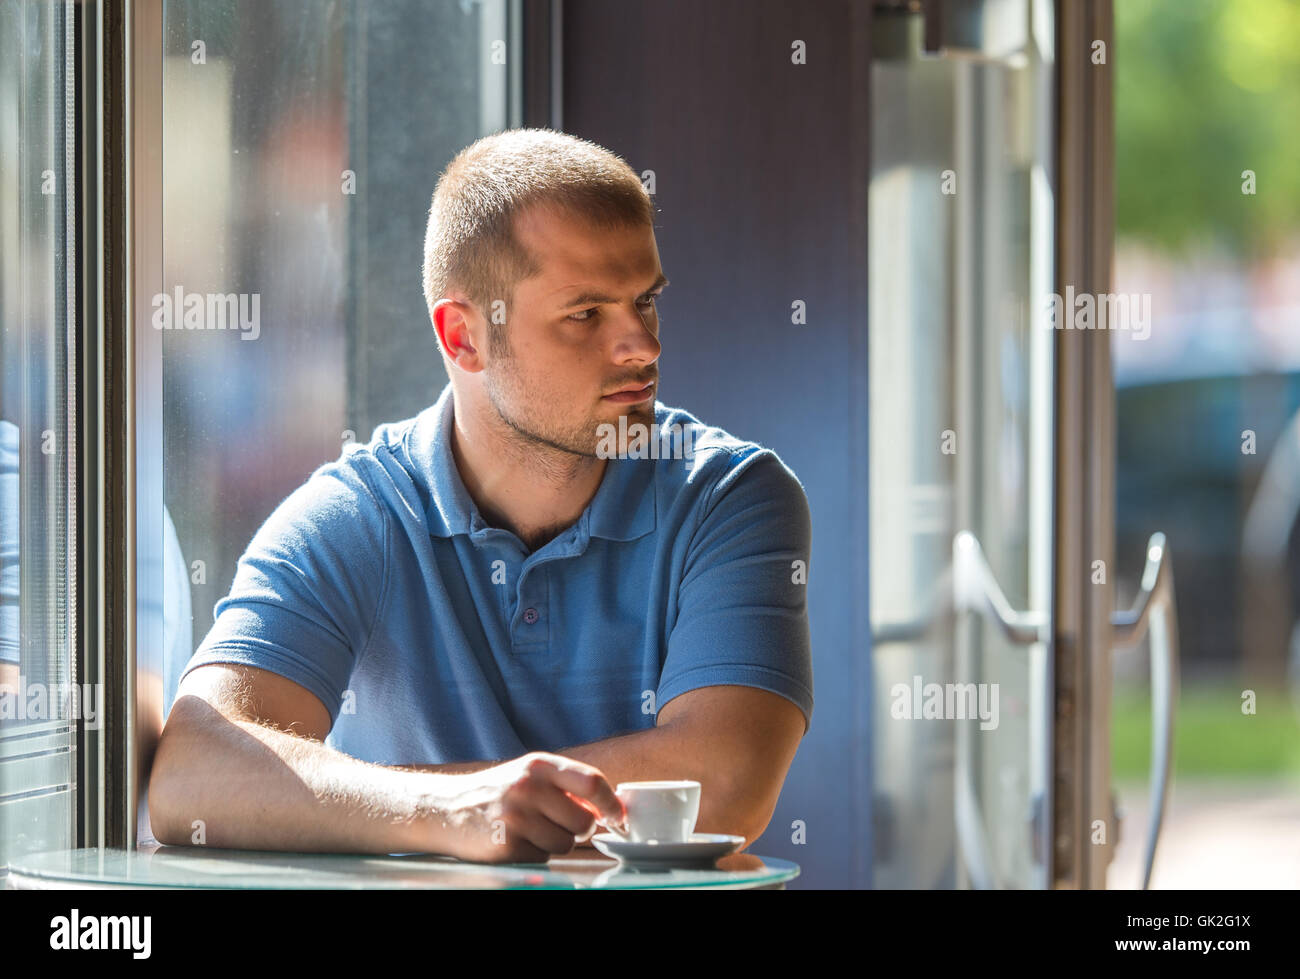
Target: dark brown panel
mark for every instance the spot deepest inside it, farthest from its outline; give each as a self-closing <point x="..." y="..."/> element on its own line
<point x="761" y="169"/>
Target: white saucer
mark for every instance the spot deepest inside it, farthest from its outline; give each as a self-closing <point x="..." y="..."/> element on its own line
<point x="701" y="850"/>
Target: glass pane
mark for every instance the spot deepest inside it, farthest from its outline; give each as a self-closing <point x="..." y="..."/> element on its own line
<point x="39" y="703"/>
<point x="301" y="144"/>
<point x="960" y="381"/>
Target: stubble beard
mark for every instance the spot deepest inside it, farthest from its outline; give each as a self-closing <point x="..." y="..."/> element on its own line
<point x="533" y="438"/>
<point x="504" y="385"/>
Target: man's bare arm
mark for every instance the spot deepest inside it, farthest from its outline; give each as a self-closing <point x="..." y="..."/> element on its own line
<point x="243" y="753"/>
<point x="737" y="742"/>
<point x="227" y="782"/>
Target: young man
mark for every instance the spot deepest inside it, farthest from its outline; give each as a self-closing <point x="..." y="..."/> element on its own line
<point x="492" y="616"/>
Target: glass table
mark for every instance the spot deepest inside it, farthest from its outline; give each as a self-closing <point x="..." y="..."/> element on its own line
<point x="203" y="867"/>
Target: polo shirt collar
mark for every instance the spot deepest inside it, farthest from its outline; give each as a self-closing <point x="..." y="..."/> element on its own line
<point x="623" y="508"/>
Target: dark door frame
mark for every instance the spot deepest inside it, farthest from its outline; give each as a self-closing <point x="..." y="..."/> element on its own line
<point x="1085" y="451"/>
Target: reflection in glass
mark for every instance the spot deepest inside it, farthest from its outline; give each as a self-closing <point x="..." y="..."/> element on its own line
<point x="302" y="141"/>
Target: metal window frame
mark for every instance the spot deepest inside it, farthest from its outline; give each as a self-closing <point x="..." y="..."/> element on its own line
<point x="537" y="77"/>
<point x="1085" y="449"/>
<point x="119" y="409"/>
<point x="101" y="565"/>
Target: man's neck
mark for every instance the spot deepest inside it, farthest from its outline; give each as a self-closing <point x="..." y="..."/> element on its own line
<point x="533" y="490"/>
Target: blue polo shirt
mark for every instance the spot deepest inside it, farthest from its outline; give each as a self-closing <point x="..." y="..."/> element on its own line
<point x="432" y="637"/>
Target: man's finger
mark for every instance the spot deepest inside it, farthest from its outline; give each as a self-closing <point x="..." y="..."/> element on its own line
<point x="535" y="827"/>
<point x="585" y="782"/>
<point x="563" y="809"/>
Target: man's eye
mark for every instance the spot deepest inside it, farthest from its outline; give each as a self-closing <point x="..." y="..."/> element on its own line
<point x="583" y="315"/>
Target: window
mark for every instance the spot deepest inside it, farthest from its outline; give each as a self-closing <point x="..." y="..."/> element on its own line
<point x="40" y="702"/>
<point x="301" y="143"/>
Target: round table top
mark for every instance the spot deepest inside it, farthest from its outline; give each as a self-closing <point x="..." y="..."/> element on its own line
<point x="204" y="867"/>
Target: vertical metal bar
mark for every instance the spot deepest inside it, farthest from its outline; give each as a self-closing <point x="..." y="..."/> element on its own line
<point x="121" y="488"/>
<point x="1068" y="613"/>
<point x="516" y="58"/>
<point x="1100" y="601"/>
<point x="87" y="495"/>
<point x="140" y="665"/>
<point x="540" y="91"/>
<point x="557" y="65"/>
<point x="68" y="599"/>
<point x="1084" y="455"/>
<point x="104" y="432"/>
<point x="85" y="22"/>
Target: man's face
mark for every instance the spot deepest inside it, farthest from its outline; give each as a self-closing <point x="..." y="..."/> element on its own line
<point x="582" y="329"/>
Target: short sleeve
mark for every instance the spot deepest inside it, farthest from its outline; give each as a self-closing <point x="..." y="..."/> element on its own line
<point x="308" y="588"/>
<point x="742" y="607"/>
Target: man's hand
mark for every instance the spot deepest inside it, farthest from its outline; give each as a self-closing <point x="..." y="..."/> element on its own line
<point x="525" y="810"/>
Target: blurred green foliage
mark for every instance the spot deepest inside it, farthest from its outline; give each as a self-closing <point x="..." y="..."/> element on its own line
<point x="1205" y="89"/>
<point x="1211" y="734"/>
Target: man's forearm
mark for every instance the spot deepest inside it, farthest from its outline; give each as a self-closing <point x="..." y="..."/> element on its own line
<point x="655" y="754"/>
<point x="662" y="753"/>
<point x="242" y="785"/>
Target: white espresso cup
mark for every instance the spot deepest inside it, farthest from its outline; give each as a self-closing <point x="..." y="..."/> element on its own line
<point x="663" y="812"/>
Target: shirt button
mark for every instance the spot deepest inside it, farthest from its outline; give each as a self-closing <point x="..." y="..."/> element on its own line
<point x="530" y="615"/>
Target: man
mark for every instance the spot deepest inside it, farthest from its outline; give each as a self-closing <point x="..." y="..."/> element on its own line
<point x="493" y="620"/>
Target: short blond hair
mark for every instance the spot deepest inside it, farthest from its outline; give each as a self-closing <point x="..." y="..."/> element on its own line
<point x="470" y="243"/>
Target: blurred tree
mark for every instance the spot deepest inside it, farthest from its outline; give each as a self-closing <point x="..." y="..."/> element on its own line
<point x="1212" y="89"/>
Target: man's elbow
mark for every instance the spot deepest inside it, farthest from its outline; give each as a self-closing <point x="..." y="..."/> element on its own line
<point x="167" y="832"/>
<point x="163" y="822"/>
<point x="747" y="795"/>
<point x="165" y="828"/>
<point x="736" y="809"/>
<point x="742" y="741"/>
<point x="168" y="783"/>
<point x="755" y="818"/>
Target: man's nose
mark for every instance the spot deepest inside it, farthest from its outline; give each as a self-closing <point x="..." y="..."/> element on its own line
<point x="637" y="339"/>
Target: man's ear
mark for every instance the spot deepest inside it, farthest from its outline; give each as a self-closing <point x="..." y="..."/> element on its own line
<point x="453" y="323"/>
